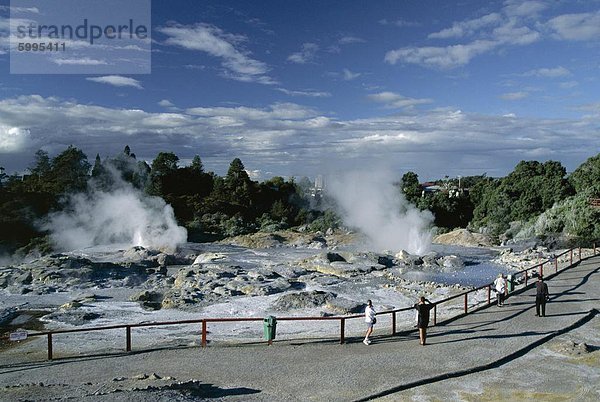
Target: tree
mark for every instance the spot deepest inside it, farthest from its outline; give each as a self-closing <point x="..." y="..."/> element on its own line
<point x="163" y="166"/>
<point x="197" y="164"/>
<point x="411" y="187"/>
<point x="70" y="171"/>
<point x="98" y="169"/>
<point x="586" y="178"/>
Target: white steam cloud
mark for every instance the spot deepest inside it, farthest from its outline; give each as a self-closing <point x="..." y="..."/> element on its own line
<point x="373" y="204"/>
<point x="124" y="216"/>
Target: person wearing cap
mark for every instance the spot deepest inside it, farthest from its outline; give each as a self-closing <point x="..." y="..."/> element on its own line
<point x="541" y="296"/>
<point x="370" y="320"/>
<point x="423" y="307"/>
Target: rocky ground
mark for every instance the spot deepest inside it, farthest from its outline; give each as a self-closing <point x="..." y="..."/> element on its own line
<point x="283" y="273"/>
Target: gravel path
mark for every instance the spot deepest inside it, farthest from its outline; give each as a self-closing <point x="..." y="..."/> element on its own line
<point x="464" y="360"/>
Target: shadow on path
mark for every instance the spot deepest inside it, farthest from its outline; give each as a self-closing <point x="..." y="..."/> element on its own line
<point x="495" y="364"/>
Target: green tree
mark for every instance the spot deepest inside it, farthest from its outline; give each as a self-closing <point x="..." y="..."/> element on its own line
<point x="163" y="167"/>
<point x="411" y="187"/>
<point x="586" y="178"/>
<point x="69" y="172"/>
<point x="197" y="164"/>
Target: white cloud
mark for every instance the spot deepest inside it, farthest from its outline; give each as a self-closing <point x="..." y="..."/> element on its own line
<point x="292" y="139"/>
<point x="166" y="103"/>
<point x="440" y="57"/>
<point x="512" y="96"/>
<point x="86" y="61"/>
<point x="400" y="23"/>
<point x="568" y="84"/>
<point x="394" y="100"/>
<point x="468" y="27"/>
<point x="584" y="26"/>
<point x="511" y="26"/>
<point x="306" y="55"/>
<point x="309" y="93"/>
<point x="13" y="139"/>
<point x="237" y="63"/>
<point x="548" y="72"/>
<point x="520" y="8"/>
<point x="347" y="40"/>
<point x="349" y="75"/>
<point x="117" y="81"/>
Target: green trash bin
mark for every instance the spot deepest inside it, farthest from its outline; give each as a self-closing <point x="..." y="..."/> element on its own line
<point x="270" y="327"/>
<point x="510" y="283"/>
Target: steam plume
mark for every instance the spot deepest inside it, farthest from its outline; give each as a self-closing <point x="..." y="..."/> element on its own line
<point x="123" y="216"/>
<point x="370" y="202"/>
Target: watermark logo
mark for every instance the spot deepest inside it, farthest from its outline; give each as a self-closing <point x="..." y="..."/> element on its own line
<point x="80" y="37"/>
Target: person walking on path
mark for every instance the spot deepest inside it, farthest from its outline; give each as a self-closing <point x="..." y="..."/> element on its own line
<point x="423" y="307"/>
<point x="370" y="320"/>
<point x="501" y="289"/>
<point x="541" y="296"/>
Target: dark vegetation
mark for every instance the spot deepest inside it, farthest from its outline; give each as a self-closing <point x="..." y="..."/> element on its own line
<point x="209" y="206"/>
<point x="540" y="195"/>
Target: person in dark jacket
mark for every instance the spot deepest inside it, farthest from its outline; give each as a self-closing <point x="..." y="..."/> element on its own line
<point x="541" y="296"/>
<point x="423" y="307"/>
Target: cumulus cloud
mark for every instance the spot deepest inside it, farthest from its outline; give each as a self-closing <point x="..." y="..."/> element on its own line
<point x="513" y="25"/>
<point x="394" y="100"/>
<point x="468" y="27"/>
<point x="117" y="81"/>
<point x="166" y="103"/>
<point x="237" y="62"/>
<point x="306" y="55"/>
<point x="293" y="139"/>
<point x="584" y="26"/>
<point x="548" y="72"/>
<point x="13" y="139"/>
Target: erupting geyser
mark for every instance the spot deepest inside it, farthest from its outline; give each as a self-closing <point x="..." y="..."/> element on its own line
<point x="371" y="203"/>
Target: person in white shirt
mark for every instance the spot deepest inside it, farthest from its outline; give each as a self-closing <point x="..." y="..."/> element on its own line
<point x="501" y="289"/>
<point x="370" y="320"/>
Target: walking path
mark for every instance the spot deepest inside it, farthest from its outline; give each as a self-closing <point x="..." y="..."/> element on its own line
<point x="483" y="343"/>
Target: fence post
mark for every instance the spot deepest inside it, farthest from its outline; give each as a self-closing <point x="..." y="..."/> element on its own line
<point x="128" y="338"/>
<point x="342" y="330"/>
<point x="435" y="314"/>
<point x="555" y="264"/>
<point x="526" y="278"/>
<point x="571" y="257"/>
<point x="49" y="346"/>
<point x="542" y="269"/>
<point x="394" y="323"/>
<point x="579" y="253"/>
<point x="203" y="343"/>
<point x="489" y="293"/>
<point x="466" y="294"/>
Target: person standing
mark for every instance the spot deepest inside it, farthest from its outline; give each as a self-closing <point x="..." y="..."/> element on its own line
<point x="500" y="286"/>
<point x="541" y="296"/>
<point x="423" y="307"/>
<point x="370" y="320"/>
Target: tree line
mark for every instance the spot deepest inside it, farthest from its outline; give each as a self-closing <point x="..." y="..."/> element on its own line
<point x="208" y="205"/>
<point x="535" y="198"/>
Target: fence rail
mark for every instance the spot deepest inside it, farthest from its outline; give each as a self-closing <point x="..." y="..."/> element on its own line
<point x="520" y="277"/>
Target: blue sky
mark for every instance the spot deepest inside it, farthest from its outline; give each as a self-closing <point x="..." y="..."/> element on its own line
<point x="297" y="88"/>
